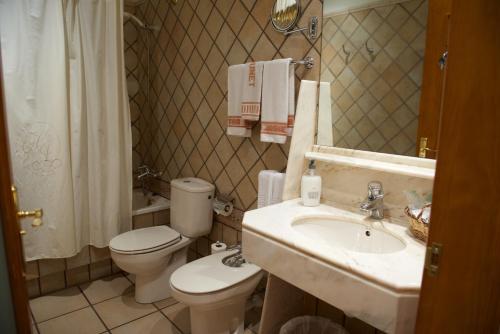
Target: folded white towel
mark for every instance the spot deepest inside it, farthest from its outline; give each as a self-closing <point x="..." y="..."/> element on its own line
<point x="264" y="194"/>
<point x="252" y="91"/>
<point x="278" y="183"/>
<point x="236" y="125"/>
<point x="271" y="184"/>
<point x="277" y="101"/>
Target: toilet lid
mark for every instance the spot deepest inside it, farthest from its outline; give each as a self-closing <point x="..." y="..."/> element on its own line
<point x="209" y="274"/>
<point x="144" y="239"/>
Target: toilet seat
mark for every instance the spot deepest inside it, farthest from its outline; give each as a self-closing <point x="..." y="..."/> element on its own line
<point x="144" y="240"/>
<point x="209" y="274"/>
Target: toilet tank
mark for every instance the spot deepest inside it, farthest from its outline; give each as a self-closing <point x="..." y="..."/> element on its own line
<point x="191" y="206"/>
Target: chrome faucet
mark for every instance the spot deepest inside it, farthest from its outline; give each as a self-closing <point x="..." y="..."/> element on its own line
<point x="235" y="259"/>
<point x="145" y="172"/>
<point x="374" y="202"/>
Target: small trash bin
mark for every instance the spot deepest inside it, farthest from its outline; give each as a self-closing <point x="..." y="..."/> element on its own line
<point x="311" y="325"/>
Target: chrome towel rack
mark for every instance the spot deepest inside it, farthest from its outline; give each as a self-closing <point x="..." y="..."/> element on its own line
<point x="308" y="62"/>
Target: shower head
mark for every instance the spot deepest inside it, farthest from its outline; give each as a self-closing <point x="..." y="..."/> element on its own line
<point x="136" y="20"/>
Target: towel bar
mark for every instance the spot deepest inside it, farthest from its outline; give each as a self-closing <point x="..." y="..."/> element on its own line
<point x="308" y="62"/>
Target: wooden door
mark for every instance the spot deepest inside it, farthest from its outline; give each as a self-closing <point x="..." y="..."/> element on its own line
<point x="464" y="296"/>
<point x="10" y="227"/>
<point x="438" y="22"/>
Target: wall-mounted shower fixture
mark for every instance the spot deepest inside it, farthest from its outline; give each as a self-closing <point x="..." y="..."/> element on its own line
<point x="136" y="20"/>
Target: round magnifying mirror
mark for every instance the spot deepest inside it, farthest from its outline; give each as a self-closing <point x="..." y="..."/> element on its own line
<point x="285" y="14"/>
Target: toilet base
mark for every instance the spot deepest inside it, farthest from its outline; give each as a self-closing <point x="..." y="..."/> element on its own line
<point x="227" y="318"/>
<point x="156" y="287"/>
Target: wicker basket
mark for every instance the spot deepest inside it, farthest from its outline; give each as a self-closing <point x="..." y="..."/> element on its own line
<point x="417" y="227"/>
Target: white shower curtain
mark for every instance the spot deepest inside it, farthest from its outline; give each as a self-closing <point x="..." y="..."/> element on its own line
<point x="69" y="120"/>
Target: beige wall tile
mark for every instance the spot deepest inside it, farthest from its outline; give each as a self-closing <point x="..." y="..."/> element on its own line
<point x="161" y="218"/>
<point x="31" y="269"/>
<point x="142" y="221"/>
<point x="100" y="269"/>
<point x="229" y="235"/>
<point x="50" y="266"/>
<point x="216" y="232"/>
<point x="330" y="312"/>
<point x="78" y="275"/>
<point x="82" y="258"/>
<point x="193" y="67"/>
<point x="99" y="254"/>
<point x="52" y="282"/>
<point x="33" y="287"/>
<point x="356" y="326"/>
<point x="203" y="246"/>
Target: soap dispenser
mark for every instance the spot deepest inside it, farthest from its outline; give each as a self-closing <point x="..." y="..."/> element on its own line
<point x="311" y="186"/>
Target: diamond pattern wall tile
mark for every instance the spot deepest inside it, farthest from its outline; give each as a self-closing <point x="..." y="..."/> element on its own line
<point x="375" y="96"/>
<point x="179" y="115"/>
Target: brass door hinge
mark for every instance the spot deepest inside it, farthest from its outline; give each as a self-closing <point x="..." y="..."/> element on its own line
<point x="432" y="258"/>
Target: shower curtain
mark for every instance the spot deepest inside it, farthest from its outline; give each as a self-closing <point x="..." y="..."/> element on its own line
<point x="69" y="121"/>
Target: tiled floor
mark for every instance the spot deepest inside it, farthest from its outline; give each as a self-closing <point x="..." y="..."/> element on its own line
<point x="108" y="306"/>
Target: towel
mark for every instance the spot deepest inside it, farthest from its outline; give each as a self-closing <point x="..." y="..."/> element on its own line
<point x="278" y="183"/>
<point x="236" y="125"/>
<point x="252" y="91"/>
<point x="278" y="107"/>
<point x="271" y="184"/>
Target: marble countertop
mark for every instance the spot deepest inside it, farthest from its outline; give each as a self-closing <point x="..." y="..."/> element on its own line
<point x="399" y="271"/>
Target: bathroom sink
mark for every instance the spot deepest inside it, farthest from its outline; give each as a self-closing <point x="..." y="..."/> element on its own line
<point x="347" y="234"/>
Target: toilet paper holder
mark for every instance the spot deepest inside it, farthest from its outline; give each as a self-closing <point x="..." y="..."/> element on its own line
<point x="223" y="205"/>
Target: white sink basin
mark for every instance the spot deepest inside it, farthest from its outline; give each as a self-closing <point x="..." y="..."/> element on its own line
<point x="348" y="234"/>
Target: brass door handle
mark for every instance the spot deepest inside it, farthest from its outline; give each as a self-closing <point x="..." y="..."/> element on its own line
<point x="37" y="214"/>
<point x="422" y="151"/>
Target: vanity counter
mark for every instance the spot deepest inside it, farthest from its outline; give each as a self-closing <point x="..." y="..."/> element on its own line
<point x="399" y="271"/>
<point x="380" y="289"/>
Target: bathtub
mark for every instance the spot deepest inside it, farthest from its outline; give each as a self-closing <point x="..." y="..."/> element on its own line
<point x="149" y="203"/>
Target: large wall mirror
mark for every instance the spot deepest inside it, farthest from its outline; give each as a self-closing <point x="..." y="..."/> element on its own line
<point x="371" y="72"/>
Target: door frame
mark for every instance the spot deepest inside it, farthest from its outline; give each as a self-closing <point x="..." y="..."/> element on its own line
<point x="10" y="226"/>
<point x="433" y="83"/>
<point x="464" y="295"/>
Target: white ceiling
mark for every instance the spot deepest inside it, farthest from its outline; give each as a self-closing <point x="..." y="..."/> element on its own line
<point x="332" y="7"/>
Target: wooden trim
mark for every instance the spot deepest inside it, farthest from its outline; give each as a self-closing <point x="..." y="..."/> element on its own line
<point x="464" y="296"/>
<point x="437" y="37"/>
<point x="10" y="226"/>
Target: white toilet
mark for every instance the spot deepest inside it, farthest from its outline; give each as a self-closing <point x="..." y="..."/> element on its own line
<point x="152" y="254"/>
<point x="215" y="293"/>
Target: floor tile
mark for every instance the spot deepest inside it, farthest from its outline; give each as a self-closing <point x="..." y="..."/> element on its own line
<point x="165" y="302"/>
<point x="179" y="315"/>
<point x="83" y="321"/>
<point x="119" y="310"/>
<point x="57" y="304"/>
<point x="106" y="288"/>
<point x="34" y="330"/>
<point x="155" y="323"/>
